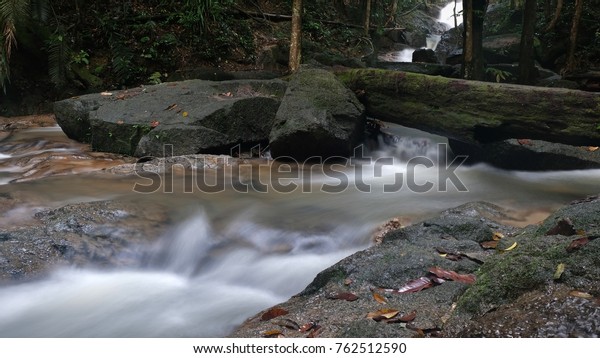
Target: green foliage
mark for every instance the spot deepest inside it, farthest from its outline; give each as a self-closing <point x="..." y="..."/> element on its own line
<point x="81" y="58"/>
<point x="11" y="13"/>
<point x="497" y="74"/>
<point x="59" y="59"/>
<point x="155" y="78"/>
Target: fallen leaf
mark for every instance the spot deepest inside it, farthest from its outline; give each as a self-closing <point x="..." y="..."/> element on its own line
<point x="497" y="236"/>
<point x="154" y="124"/>
<point x="580" y="232"/>
<point x="308" y="326"/>
<point x="287" y="323"/>
<point x="560" y="268"/>
<point x="563" y="227"/>
<point x="524" y="141"/>
<point x="488" y="244"/>
<point x="443" y="255"/>
<point x="578" y="243"/>
<point x="170" y="107"/>
<point x="315" y="332"/>
<point x="416" y="285"/>
<point x="346" y="296"/>
<point x="379" y="298"/>
<point x="384" y="313"/>
<point x="272" y="313"/>
<point x="580" y="294"/>
<point x="437" y="280"/>
<point x="404" y="319"/>
<point x="274" y="333"/>
<point x="451" y="275"/>
<point x="185" y="114"/>
<point x="592" y="149"/>
<point x="106" y="93"/>
<point x="348" y="282"/>
<point x="511" y="247"/>
<point x="120" y="121"/>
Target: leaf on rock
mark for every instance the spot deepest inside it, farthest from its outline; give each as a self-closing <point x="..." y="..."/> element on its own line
<point x="560" y="268"/>
<point x="274" y="333"/>
<point x="170" y="107"/>
<point x="592" y="149"/>
<point x="272" y="313"/>
<point x="106" y="93"/>
<point x="348" y="282"/>
<point x="308" y="326"/>
<point x="580" y="294"/>
<point x="379" y="298"/>
<point x="120" y="122"/>
<point x="578" y="243"/>
<point x="451" y="275"/>
<point x="287" y="323"/>
<point x="524" y="141"/>
<point x="416" y="285"/>
<point x="185" y="114"/>
<point x="315" y="332"/>
<point x="489" y="244"/>
<point x="497" y="236"/>
<point x="346" y="296"/>
<point x="154" y="124"/>
<point x="511" y="247"/>
<point x="404" y="319"/>
<point x="563" y="227"/>
<point x="384" y="313"/>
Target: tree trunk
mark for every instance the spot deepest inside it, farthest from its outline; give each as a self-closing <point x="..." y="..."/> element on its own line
<point x="367" y="23"/>
<point x="559" y="5"/>
<point x="571" y="65"/>
<point x="393" y="12"/>
<point x="527" y="54"/>
<point x="478" y="112"/>
<point x="296" y="36"/>
<point x="474" y="14"/>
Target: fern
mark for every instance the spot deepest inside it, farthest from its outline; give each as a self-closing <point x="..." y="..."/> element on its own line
<point x="122" y="60"/>
<point x="59" y="60"/>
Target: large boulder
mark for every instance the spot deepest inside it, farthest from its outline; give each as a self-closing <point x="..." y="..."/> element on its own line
<point x="497" y="281"/>
<point x="190" y="117"/>
<point x="318" y="116"/>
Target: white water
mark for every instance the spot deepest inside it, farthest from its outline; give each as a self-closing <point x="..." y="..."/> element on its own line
<point x="447" y="14"/>
<point x="233" y="254"/>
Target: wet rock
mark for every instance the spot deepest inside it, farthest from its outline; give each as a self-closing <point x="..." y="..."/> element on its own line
<point x="103" y="234"/>
<point x="404" y="255"/>
<point x="424" y="56"/>
<point x="318" y="116"/>
<point x="432" y="69"/>
<point x="527" y="154"/>
<point x="191" y="116"/>
<point x="516" y="293"/>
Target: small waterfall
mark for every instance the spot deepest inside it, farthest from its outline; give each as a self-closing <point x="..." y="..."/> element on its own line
<point x="448" y="11"/>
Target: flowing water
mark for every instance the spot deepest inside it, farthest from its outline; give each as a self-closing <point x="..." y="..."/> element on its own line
<point x="225" y="256"/>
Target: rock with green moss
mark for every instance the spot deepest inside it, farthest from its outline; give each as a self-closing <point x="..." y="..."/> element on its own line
<point x="318" y="116"/>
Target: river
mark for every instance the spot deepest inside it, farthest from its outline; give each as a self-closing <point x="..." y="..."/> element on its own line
<point x="226" y="256"/>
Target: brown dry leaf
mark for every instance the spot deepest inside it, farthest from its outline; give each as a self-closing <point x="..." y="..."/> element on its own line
<point x="287" y="323"/>
<point x="489" y="244"/>
<point x="416" y="285"/>
<point x="580" y="232"/>
<point x="274" y="333"/>
<point x="272" y="313"/>
<point x="154" y="124"/>
<point x="384" y="313"/>
<point x="106" y="93"/>
<point x="379" y="298"/>
<point x="315" y="332"/>
<point x="120" y="121"/>
<point x="346" y="296"/>
<point x="226" y="94"/>
<point x="348" y="282"/>
<point x="409" y="317"/>
<point x="308" y="326"/>
<point x="580" y="294"/>
<point x="563" y="227"/>
<point x="497" y="236"/>
<point x="524" y="141"/>
<point x="578" y="243"/>
<point x="170" y="107"/>
<point x="592" y="149"/>
<point x="451" y="275"/>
